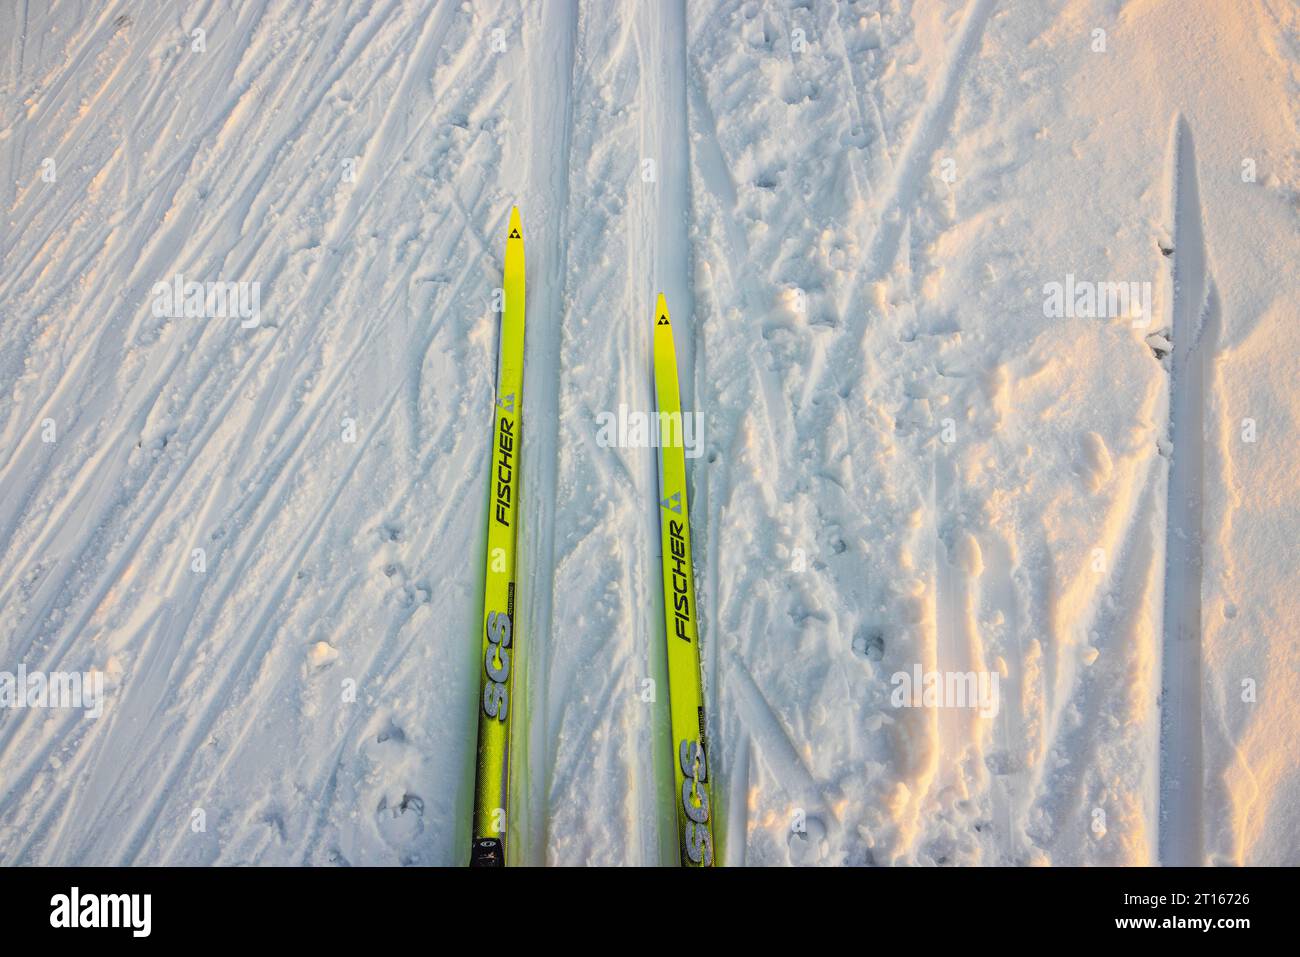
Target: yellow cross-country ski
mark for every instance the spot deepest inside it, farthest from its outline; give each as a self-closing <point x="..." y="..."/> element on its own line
<point x="499" y="640"/>
<point x="685" y="692"/>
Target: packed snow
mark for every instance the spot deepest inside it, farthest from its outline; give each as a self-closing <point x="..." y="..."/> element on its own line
<point x="986" y="312"/>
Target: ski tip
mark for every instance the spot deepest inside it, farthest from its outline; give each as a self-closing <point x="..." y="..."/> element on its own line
<point x="516" y="225"/>
<point x="661" y="311"/>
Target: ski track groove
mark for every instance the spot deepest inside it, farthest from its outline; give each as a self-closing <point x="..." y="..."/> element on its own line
<point x="655" y="837"/>
<point x="1194" y="306"/>
<point x="734" y="816"/>
<point x="548" y="190"/>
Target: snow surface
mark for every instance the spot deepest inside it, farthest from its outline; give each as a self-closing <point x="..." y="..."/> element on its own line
<point x="907" y="464"/>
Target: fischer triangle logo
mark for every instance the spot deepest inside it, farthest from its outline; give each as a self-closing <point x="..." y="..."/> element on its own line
<point x="514" y="234"/>
<point x="507" y="404"/>
<point x="663" y="321"/>
<point x="673" y="503"/>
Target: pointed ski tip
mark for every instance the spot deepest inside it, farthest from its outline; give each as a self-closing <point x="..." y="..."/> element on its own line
<point x="516" y="225"/>
<point x="661" y="311"/>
